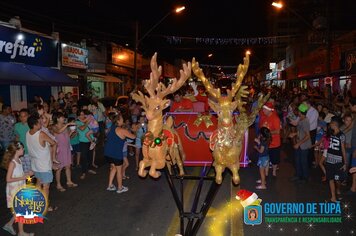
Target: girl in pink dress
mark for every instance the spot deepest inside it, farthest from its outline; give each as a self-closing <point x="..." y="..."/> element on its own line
<point x="15" y="179"/>
<point x="62" y="134"/>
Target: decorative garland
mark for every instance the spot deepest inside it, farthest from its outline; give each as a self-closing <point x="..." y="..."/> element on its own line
<point x="176" y="40"/>
<point x="186" y="132"/>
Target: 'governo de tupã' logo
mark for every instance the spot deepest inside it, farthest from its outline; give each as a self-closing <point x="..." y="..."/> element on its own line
<point x="30" y="205"/>
<point x="252" y="207"/>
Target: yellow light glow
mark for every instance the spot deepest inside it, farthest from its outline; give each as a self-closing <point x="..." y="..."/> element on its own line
<point x="210" y="55"/>
<point x="121" y="57"/>
<point x="248" y="52"/>
<point x="179" y="9"/>
<point x="220" y="219"/>
<point x="277" y="4"/>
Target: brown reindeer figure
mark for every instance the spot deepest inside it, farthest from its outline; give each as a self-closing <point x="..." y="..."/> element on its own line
<point x="226" y="141"/>
<point x="161" y="143"/>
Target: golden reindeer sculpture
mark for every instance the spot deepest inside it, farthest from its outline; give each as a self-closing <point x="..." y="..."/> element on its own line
<point x="226" y="141"/>
<point x="161" y="143"/>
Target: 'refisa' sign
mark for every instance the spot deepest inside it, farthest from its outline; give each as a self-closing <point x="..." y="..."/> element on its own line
<point x="32" y="49"/>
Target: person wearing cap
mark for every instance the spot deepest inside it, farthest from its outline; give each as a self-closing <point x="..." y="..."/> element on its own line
<point x="301" y="148"/>
<point x="270" y="120"/>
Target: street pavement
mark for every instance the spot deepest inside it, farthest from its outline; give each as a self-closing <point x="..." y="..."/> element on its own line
<point x="148" y="208"/>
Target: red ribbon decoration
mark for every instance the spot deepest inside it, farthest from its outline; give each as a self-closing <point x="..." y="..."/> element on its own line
<point x="35" y="220"/>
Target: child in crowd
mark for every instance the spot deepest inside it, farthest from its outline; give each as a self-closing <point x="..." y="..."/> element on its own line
<point x="128" y="125"/>
<point x="74" y="142"/>
<point x="126" y="161"/>
<point x="15" y="179"/>
<point x="93" y="126"/>
<point x="323" y="147"/>
<point x="45" y="127"/>
<point x="320" y="130"/>
<point x="335" y="165"/>
<point x="142" y="129"/>
<point x="262" y="142"/>
<point x="93" y="130"/>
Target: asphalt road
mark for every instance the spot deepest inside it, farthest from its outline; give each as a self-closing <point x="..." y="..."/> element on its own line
<point x="148" y="208"/>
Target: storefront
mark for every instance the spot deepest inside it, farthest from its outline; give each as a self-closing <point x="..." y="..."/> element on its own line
<point x="28" y="66"/>
<point x="103" y="79"/>
<point x="74" y="63"/>
<point x="350" y="69"/>
<point x="122" y="66"/>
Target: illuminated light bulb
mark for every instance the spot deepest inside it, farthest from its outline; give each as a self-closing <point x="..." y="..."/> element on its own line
<point x="20" y="37"/>
<point x="158" y="141"/>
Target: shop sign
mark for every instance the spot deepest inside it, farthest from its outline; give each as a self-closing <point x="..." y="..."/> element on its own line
<point x="22" y="47"/>
<point x="125" y="57"/>
<point x="74" y="57"/>
<point x="272" y="75"/>
<point x="350" y="62"/>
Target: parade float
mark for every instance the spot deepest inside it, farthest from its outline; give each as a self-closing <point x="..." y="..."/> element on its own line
<point x="161" y="144"/>
<point x="226" y="142"/>
<point x="215" y="139"/>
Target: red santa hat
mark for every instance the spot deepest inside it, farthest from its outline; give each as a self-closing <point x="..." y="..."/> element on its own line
<point x="268" y="106"/>
<point x="246" y="197"/>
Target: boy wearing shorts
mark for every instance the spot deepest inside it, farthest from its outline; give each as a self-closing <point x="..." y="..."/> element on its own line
<point x="335" y="158"/>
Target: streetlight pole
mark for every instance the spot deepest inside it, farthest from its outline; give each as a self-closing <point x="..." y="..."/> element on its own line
<point x="280" y="6"/>
<point x="139" y="40"/>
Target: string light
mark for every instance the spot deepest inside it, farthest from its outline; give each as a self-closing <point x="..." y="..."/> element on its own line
<point x="158" y="141"/>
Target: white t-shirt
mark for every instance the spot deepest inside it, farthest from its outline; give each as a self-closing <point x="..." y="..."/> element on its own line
<point x="313" y="116"/>
<point x="40" y="156"/>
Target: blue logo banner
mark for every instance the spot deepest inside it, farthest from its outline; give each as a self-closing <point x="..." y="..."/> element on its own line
<point x="32" y="49"/>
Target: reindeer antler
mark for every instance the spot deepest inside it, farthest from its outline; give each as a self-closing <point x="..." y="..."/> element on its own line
<point x="261" y="101"/>
<point x="163" y="91"/>
<point x="152" y="84"/>
<point x="158" y="89"/>
<point x="240" y="74"/>
<point x="139" y="97"/>
<point x="242" y="93"/>
<point x="208" y="86"/>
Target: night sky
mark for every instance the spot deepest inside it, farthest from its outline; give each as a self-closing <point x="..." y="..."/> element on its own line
<point x="114" y="20"/>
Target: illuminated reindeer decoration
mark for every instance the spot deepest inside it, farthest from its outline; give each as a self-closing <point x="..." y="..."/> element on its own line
<point x="161" y="143"/>
<point x="225" y="142"/>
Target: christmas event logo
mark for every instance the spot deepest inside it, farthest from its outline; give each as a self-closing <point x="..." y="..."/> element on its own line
<point x="30" y="205"/>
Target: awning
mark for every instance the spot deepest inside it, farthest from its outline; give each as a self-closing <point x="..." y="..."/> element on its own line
<point x="52" y="77"/>
<point x="22" y="74"/>
<point x="103" y="78"/>
<point x="17" y="74"/>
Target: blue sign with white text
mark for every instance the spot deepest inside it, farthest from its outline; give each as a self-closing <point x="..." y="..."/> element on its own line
<point x="16" y="46"/>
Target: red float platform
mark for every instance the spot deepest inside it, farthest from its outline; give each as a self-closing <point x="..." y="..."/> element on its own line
<point x="195" y="137"/>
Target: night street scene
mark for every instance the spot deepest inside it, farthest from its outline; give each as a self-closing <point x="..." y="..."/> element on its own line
<point x="177" y="118"/>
